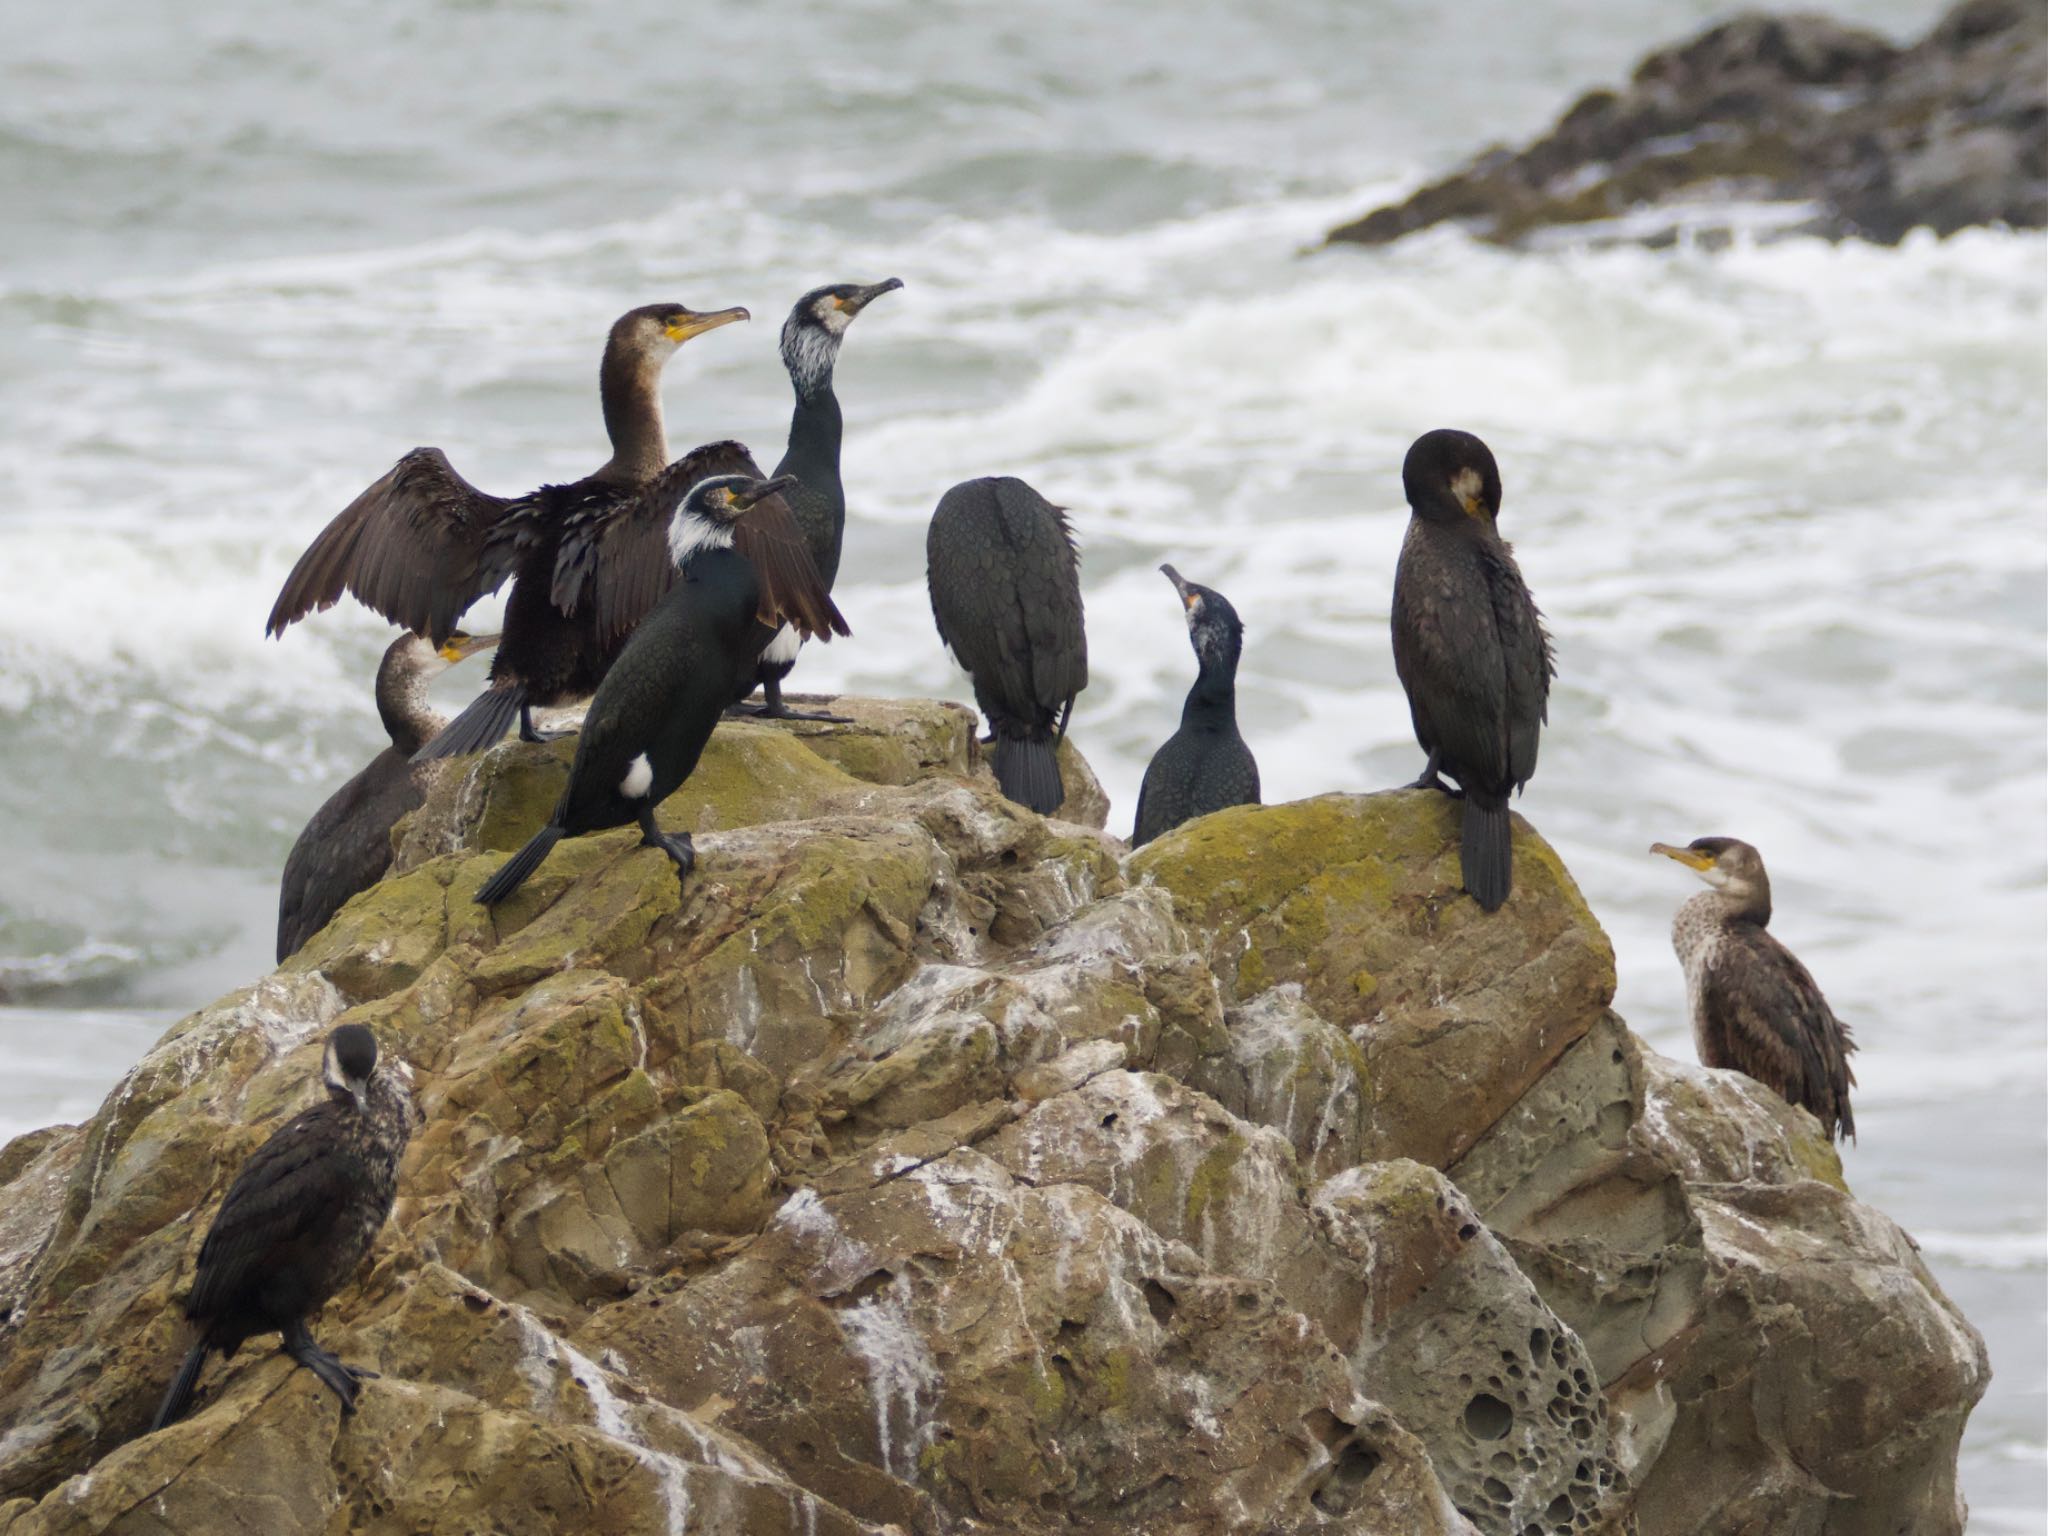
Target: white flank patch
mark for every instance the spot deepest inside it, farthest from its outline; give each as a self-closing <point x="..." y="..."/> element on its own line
<point x="639" y="778"/>
<point x="783" y="648"/>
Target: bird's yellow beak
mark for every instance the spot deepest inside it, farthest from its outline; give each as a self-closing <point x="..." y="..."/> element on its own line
<point x="460" y="645"/>
<point x="1691" y="858"/>
<point x="690" y="323"/>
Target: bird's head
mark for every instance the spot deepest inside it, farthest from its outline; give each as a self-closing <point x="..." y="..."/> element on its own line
<point x="1450" y="477"/>
<point x="1214" y="628"/>
<point x="654" y="331"/>
<point x="1728" y="864"/>
<point x="811" y="334"/>
<point x="712" y="507"/>
<point x="350" y="1060"/>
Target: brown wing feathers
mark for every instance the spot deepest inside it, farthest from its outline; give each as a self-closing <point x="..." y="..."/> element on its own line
<point x="626" y="555"/>
<point x="792" y="591"/>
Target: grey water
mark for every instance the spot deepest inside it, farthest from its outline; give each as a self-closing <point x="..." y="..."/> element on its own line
<point x="1783" y="502"/>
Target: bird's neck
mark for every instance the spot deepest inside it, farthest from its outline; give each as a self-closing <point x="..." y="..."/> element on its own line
<point x="402" y="705"/>
<point x="815" y="430"/>
<point x="1743" y="904"/>
<point x="1212" y="702"/>
<point x="629" y="386"/>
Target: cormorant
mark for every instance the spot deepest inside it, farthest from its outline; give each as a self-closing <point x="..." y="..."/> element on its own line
<point x="346" y="847"/>
<point x="810" y="347"/>
<point x="1205" y="765"/>
<point x="422" y="544"/>
<point x="744" y="570"/>
<point x="299" y="1219"/>
<point x="1754" y="1006"/>
<point x="1470" y="649"/>
<point x="1005" y="583"/>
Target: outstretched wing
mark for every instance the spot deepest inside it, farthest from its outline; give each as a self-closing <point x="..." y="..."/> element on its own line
<point x="1771" y="1022"/>
<point x="619" y="557"/>
<point x="288" y="1195"/>
<point x="419" y="546"/>
<point x="792" y="591"/>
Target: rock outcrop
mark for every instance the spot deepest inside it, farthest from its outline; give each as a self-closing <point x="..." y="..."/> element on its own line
<point x="1857" y="136"/>
<point x="928" y="1166"/>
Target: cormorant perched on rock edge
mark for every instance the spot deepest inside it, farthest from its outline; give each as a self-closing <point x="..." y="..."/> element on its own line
<point x="1205" y="765"/>
<point x="299" y="1219"/>
<point x="1005" y="582"/>
<point x="810" y="347"/>
<point x="422" y="544"/>
<point x="346" y="846"/>
<point x="1470" y="649"/>
<point x="745" y="569"/>
<point x="1754" y="1006"/>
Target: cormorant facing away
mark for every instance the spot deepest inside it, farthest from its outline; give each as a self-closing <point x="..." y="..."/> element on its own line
<point x="299" y="1219"/>
<point x="745" y="569"/>
<point x="1005" y="583"/>
<point x="810" y="347"/>
<point x="1470" y="649"/>
<point x="1754" y="1006"/>
<point x="422" y="544"/>
<point x="1205" y="765"/>
<point x="346" y="847"/>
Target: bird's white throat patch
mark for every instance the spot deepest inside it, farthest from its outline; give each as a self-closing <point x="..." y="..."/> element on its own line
<point x="689" y="534"/>
<point x="639" y="778"/>
<point x="783" y="648"/>
<point x="809" y="351"/>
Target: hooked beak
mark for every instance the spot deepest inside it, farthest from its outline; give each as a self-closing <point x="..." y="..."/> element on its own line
<point x="746" y="501"/>
<point x="1691" y="858"/>
<point x="460" y="646"/>
<point x="694" y="324"/>
<point x="1181" y="585"/>
<point x="866" y="296"/>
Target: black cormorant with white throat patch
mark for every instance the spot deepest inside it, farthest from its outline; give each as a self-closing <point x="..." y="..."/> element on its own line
<point x="1470" y="649"/>
<point x="346" y="847"/>
<point x="810" y="350"/>
<point x="422" y="544"/>
<point x="744" y="570"/>
<point x="1754" y="1006"/>
<point x="1005" y="582"/>
<point x="299" y="1219"/>
<point x="1205" y="765"/>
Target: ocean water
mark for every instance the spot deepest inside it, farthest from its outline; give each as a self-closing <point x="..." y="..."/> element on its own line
<point x="1783" y="503"/>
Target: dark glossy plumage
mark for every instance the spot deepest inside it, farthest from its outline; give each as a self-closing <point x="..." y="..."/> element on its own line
<point x="346" y="846"/>
<point x="1205" y="765"/>
<point x="1005" y="583"/>
<point x="299" y="1219"/>
<point x="1754" y="1006"/>
<point x="1469" y="647"/>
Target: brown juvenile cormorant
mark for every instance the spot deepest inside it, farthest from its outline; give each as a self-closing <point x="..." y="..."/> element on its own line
<point x="744" y="569"/>
<point x="1005" y="581"/>
<point x="422" y="544"/>
<point x="299" y="1219"/>
<point x="810" y="348"/>
<point x="1205" y="765"/>
<point x="1470" y="649"/>
<point x="1754" y="1006"/>
<point x="346" y="847"/>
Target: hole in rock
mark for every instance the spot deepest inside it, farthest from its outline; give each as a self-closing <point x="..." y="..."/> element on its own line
<point x="1539" y="1341"/>
<point x="1159" y="1302"/>
<point x="1469" y="1231"/>
<point x="1488" y="1418"/>
<point x="1560" y="1510"/>
<point x="1109" y="1119"/>
<point x="1346" y="1482"/>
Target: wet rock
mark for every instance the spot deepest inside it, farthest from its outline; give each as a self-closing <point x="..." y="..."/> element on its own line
<point x="1857" y="137"/>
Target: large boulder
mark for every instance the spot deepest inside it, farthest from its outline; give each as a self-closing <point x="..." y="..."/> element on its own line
<point x="926" y="1165"/>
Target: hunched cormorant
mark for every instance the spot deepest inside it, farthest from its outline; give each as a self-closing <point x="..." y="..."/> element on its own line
<point x="1754" y="1006"/>
<point x="1205" y="765"/>
<point x="1005" y="581"/>
<point x="299" y="1219"/>
<point x="1470" y="649"/>
<point x="810" y="348"/>
<point x="346" y="847"/>
<point x="422" y="544"/>
<point x="744" y="570"/>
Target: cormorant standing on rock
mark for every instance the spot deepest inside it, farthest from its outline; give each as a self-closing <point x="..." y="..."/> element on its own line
<point x="810" y="347"/>
<point x="1754" y="1006"/>
<point x="1205" y="765"/>
<point x="346" y="847"/>
<point x="1470" y="649"/>
<point x="1005" y="583"/>
<point x="299" y="1219"/>
<point x="422" y="544"/>
<point x="744" y="569"/>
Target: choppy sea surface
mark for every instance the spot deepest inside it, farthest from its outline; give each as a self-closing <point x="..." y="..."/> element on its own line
<point x="1783" y="503"/>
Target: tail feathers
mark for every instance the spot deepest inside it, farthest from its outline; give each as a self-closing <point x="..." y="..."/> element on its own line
<point x="179" y="1397"/>
<point x="482" y="724"/>
<point x="1028" y="770"/>
<point x="513" y="873"/>
<point x="1487" y="851"/>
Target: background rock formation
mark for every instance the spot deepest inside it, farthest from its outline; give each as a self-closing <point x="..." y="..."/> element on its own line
<point x="928" y="1166"/>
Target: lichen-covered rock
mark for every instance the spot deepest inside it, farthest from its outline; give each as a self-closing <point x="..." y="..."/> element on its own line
<point x="924" y="1165"/>
<point x="1860" y="137"/>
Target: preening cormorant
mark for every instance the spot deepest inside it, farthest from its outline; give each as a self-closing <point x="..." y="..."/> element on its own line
<point x="1205" y="765"/>
<point x="1754" y="1006"/>
<point x="346" y="847"/>
<point x="299" y="1219"/>
<point x="422" y="544"/>
<point x="1470" y="649"/>
<point x="810" y="347"/>
<point x="744" y="570"/>
<point x="1005" y="582"/>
